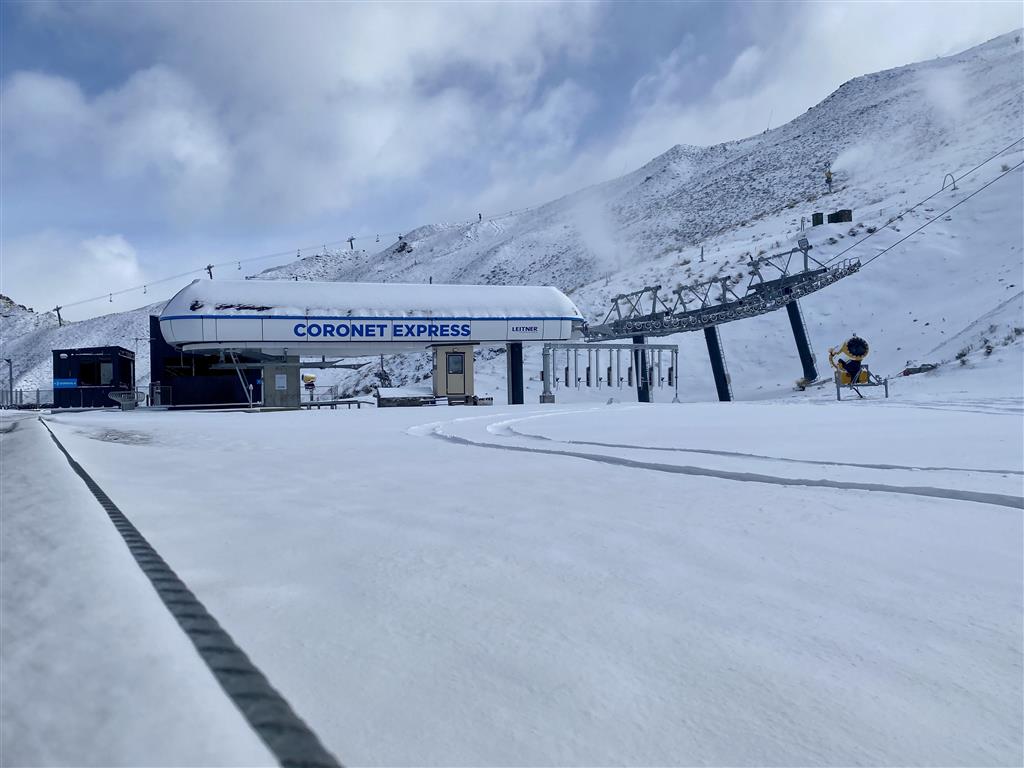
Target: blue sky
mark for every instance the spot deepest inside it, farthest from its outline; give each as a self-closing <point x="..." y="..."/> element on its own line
<point x="144" y="139"/>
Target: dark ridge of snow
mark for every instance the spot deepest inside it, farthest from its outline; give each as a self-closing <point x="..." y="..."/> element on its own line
<point x="8" y="305"/>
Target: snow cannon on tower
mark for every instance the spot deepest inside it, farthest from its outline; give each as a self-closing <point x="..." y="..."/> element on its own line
<point x="850" y="370"/>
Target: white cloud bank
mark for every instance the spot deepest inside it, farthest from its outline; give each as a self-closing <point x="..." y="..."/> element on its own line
<point x="800" y="53"/>
<point x="38" y="269"/>
<point x="154" y="134"/>
<point x="247" y="117"/>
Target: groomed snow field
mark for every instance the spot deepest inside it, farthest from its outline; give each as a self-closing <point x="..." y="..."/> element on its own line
<point x="790" y="582"/>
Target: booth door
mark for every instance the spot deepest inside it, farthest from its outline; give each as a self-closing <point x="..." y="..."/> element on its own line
<point x="455" y="366"/>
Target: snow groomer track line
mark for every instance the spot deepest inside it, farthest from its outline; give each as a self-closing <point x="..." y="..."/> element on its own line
<point x="444" y="431"/>
<point x="285" y="734"/>
<point x="763" y="457"/>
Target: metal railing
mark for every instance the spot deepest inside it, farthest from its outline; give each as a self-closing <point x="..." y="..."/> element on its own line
<point x="160" y="394"/>
<point x="317" y="394"/>
<point x="26" y="398"/>
<point x="79" y="397"/>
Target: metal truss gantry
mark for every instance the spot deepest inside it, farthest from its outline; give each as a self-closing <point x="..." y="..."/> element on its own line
<point x="653" y="311"/>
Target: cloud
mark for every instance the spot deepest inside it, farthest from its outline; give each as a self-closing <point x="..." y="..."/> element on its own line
<point x="42" y="115"/>
<point x="798" y="57"/>
<point x="157" y="125"/>
<point x="281" y="116"/>
<point x="305" y="109"/>
<point x="795" y="55"/>
<point x="673" y="77"/>
<point x="523" y="164"/>
<point x="746" y="72"/>
<point x="153" y="138"/>
<point x="225" y="126"/>
<point x="948" y="93"/>
<point x="41" y="269"/>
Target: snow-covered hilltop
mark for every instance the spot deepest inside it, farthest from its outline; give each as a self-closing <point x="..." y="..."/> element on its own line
<point x="895" y="127"/>
<point x="889" y="137"/>
<point x="17" y="319"/>
<point x="30" y="339"/>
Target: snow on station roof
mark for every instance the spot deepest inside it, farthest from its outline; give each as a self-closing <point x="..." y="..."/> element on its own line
<point x="305" y="317"/>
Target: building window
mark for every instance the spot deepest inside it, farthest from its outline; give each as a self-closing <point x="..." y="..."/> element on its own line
<point x="106" y="374"/>
<point x="88" y="373"/>
<point x="456" y="364"/>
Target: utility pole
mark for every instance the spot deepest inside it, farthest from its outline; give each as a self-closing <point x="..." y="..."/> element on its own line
<point x="209" y="270"/>
<point x="137" y="339"/>
<point x="351" y="244"/>
<point x="10" y="381"/>
<point x="60" y="320"/>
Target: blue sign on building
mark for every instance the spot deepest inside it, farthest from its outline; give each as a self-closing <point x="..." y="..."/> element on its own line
<point x="65" y="383"/>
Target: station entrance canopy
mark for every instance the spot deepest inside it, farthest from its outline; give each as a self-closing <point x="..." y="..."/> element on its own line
<point x="279" y="317"/>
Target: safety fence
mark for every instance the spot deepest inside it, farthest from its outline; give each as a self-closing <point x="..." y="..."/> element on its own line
<point x="316" y="394"/>
<point x="609" y="366"/>
<point x="79" y="397"/>
<point x="27" y="398"/>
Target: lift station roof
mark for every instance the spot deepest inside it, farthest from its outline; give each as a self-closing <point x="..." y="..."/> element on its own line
<point x="308" y="318"/>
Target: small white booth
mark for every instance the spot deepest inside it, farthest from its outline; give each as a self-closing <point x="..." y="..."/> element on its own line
<point x="453" y="370"/>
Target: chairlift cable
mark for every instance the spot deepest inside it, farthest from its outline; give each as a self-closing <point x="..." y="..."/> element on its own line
<point x="933" y="220"/>
<point x="922" y="202"/>
<point x="238" y="262"/>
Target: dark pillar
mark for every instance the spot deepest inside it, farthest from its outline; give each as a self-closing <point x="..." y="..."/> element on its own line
<point x="717" y="363"/>
<point x="515" y="373"/>
<point x="803" y="346"/>
<point x="643" y="386"/>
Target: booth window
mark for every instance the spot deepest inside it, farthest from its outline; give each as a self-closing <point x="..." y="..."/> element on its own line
<point x="88" y="373"/>
<point x="456" y="364"/>
<point x="95" y="373"/>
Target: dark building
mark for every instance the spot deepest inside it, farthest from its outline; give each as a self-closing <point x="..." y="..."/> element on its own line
<point x="191" y="378"/>
<point x="84" y="378"/>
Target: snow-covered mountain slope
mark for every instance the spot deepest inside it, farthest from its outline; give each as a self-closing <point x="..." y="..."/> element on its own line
<point x="23" y="332"/>
<point x="17" y="320"/>
<point x="890" y="138"/>
<point x="31" y="352"/>
<point x="889" y="129"/>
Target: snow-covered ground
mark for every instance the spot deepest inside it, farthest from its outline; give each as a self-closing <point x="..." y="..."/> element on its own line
<point x="94" y="671"/>
<point x="788" y="580"/>
<point x="785" y="582"/>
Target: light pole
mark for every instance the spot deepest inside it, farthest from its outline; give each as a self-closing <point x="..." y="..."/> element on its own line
<point x="137" y="339"/>
<point x="10" y="382"/>
<point x="135" y="373"/>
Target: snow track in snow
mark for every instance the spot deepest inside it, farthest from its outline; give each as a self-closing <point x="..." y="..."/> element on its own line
<point x="438" y="430"/>
<point x="739" y="455"/>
